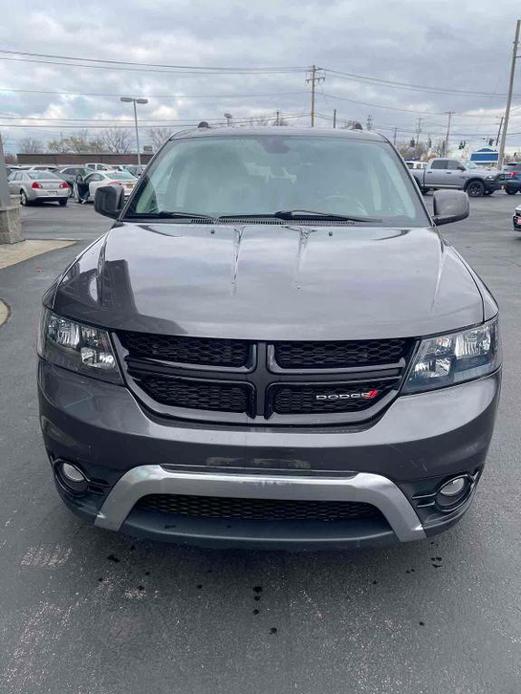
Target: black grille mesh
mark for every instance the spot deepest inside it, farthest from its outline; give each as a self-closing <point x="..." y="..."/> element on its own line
<point x="331" y="355"/>
<point x="197" y="395"/>
<point x="257" y="509"/>
<point x="188" y="350"/>
<point x="327" y="397"/>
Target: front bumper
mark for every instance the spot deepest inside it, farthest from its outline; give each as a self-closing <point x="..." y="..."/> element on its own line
<point x="420" y="441"/>
<point x="492" y="185"/>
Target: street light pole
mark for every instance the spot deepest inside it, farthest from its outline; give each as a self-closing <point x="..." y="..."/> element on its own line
<point x="501" y="155"/>
<point x="131" y="100"/>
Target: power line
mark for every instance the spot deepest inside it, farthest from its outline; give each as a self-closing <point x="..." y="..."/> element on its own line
<point x="202" y="68"/>
<point x="154" y="96"/>
<point x="166" y="124"/>
<point x="404" y="85"/>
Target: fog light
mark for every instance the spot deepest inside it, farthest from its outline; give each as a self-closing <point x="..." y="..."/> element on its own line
<point x="72" y="473"/>
<point x="454" y="487"/>
<point x="453" y="492"/>
<point x="71" y="477"/>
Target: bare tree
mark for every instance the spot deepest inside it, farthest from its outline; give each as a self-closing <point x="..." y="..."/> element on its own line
<point x="117" y="140"/>
<point x="412" y="150"/>
<point x="257" y="120"/>
<point x="352" y="125"/>
<point x="30" y="145"/>
<point x="77" y="143"/>
<point x="158" y="136"/>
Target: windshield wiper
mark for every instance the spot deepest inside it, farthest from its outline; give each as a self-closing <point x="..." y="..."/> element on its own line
<point x="166" y="214"/>
<point x="309" y="214"/>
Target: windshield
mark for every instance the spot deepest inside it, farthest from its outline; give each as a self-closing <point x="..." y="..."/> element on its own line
<point x="120" y="176"/>
<point x="261" y="174"/>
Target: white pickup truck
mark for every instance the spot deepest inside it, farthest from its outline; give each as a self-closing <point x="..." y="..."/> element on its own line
<point x="451" y="173"/>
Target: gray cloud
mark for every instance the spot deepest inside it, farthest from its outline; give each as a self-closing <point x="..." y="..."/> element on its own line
<point x="447" y="44"/>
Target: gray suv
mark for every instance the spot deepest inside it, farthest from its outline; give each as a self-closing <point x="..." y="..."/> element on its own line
<point x="272" y="346"/>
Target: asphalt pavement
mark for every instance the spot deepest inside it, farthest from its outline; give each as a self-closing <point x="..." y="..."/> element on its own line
<point x="90" y="612"/>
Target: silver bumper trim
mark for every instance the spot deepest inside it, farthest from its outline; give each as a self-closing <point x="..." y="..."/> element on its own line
<point x="362" y="486"/>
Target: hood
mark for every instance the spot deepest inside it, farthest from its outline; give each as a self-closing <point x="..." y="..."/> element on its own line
<point x="268" y="282"/>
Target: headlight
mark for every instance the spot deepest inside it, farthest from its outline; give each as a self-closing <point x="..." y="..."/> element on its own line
<point x="450" y="359"/>
<point x="77" y="347"/>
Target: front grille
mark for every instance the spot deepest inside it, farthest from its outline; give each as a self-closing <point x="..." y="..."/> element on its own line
<point x="241" y="381"/>
<point x="340" y="355"/>
<point x="318" y="398"/>
<point x="257" y="509"/>
<point x="198" y="395"/>
<point x="187" y="350"/>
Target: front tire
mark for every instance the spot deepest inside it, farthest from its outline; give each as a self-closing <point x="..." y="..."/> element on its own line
<point x="23" y="199"/>
<point x="475" y="189"/>
<point x="510" y="191"/>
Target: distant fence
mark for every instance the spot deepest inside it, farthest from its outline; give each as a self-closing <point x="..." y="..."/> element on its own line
<point x="65" y="159"/>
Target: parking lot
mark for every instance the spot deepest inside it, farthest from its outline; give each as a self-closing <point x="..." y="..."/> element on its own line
<point x="91" y="612"/>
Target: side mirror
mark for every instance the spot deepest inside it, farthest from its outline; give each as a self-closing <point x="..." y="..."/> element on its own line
<point x="108" y="201"/>
<point x="450" y="206"/>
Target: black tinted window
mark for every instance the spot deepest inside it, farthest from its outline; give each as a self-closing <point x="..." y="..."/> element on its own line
<point x="439" y="164"/>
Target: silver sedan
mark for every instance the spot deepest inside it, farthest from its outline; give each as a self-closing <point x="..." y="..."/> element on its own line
<point x="37" y="186"/>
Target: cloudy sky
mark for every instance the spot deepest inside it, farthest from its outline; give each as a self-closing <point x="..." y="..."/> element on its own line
<point x="422" y="58"/>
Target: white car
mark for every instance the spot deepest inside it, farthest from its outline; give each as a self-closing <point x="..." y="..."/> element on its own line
<point x="98" y="166"/>
<point x="105" y="178"/>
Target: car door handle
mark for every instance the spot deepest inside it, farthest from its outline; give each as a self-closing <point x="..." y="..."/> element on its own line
<point x="448" y="173"/>
<point x="429" y="172"/>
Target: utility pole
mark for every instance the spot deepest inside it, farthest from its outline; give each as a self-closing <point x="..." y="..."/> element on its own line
<point x="395" y="133"/>
<point x="369" y="122"/>
<point x="277" y="118"/>
<point x="334" y="118"/>
<point x="418" y="130"/>
<point x="447" y="136"/>
<point x="501" y="155"/>
<point x="499" y="130"/>
<point x="316" y="75"/>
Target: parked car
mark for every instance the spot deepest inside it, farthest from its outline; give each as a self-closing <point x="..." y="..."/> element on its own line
<point x="38" y="186"/>
<point x="71" y="173"/>
<point x="135" y="169"/>
<point x="416" y="164"/>
<point x="245" y="359"/>
<point x="451" y="173"/>
<point x="511" y="178"/>
<point x="42" y="167"/>
<point x="92" y="181"/>
<point x="516" y="218"/>
<point x="98" y="166"/>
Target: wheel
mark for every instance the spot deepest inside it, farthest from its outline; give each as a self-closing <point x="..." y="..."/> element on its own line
<point x="63" y="202"/>
<point x="510" y="191"/>
<point x="475" y="189"/>
<point x="23" y="198"/>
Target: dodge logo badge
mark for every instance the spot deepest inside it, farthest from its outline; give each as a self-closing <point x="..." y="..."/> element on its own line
<point x="359" y="395"/>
